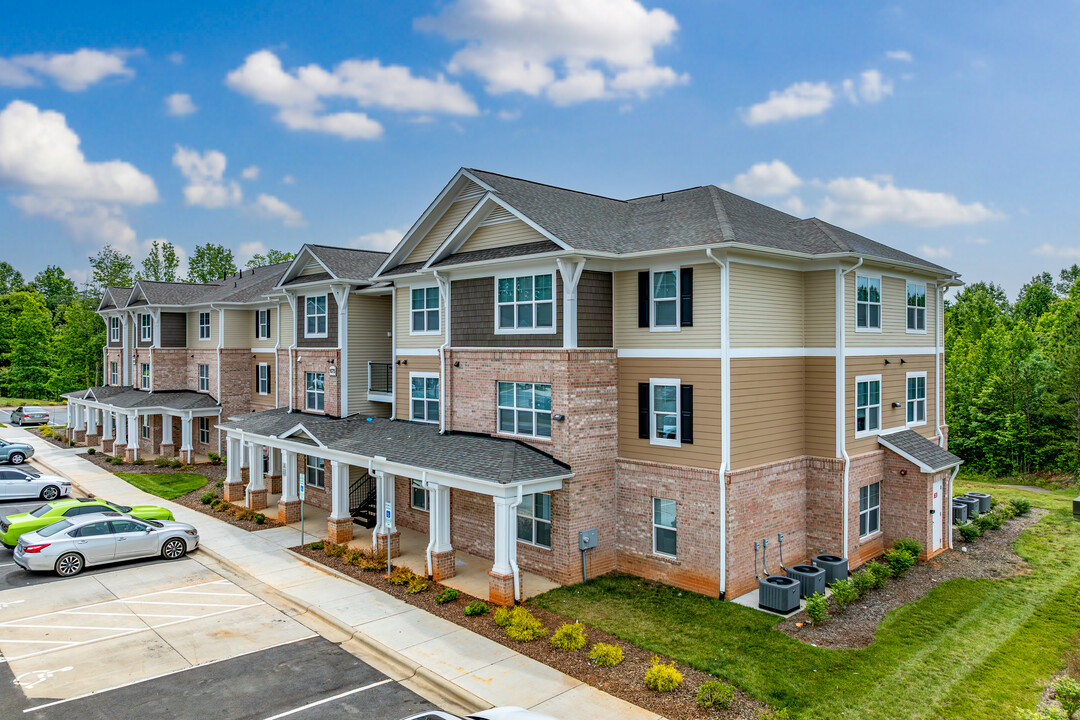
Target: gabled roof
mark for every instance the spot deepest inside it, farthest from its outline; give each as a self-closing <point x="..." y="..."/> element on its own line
<point x="249" y="285"/>
<point x="339" y="264"/>
<point x="114" y="297"/>
<point x="927" y="454"/>
<point x="132" y="399"/>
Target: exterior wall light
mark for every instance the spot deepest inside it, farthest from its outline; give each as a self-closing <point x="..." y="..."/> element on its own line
<point x="560" y="418"/>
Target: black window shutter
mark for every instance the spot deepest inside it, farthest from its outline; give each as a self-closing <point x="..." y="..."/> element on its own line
<point x="643" y="299"/>
<point x="686" y="297"/>
<point x="256" y="377"/>
<point x="269" y="378"/>
<point x="686" y="422"/>
<point x="643" y="409"/>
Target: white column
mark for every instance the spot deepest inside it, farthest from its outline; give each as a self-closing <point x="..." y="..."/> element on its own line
<point x="73" y="416"/>
<point x="439" y="500"/>
<point x="571" y="274"/>
<point x="91" y="421"/>
<point x="255" y="473"/>
<point x="275" y="461"/>
<point x="290" y="491"/>
<point x="339" y="491"/>
<point x="185" y="436"/>
<point x="121" y="429"/>
<point x="232" y="460"/>
<point x="106" y="425"/>
<point x="133" y="434"/>
<point x="166" y="429"/>
<point x="505" y="536"/>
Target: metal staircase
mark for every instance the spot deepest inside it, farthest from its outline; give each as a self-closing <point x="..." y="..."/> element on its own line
<point x="362" y="501"/>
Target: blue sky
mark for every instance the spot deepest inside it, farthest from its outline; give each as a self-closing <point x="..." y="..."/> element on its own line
<point x="947" y="130"/>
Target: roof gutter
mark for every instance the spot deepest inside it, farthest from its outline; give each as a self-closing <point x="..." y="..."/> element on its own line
<point x="444" y="291"/>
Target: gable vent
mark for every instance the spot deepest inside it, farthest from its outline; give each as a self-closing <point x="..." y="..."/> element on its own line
<point x="471" y="191"/>
<point x="498" y="215"/>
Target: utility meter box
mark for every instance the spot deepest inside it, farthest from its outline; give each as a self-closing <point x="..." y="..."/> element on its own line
<point x="587" y="539"/>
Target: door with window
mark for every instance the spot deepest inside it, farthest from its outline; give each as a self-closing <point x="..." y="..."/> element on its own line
<point x="133" y="539"/>
<point x="95" y="542"/>
<point x="939" y="522"/>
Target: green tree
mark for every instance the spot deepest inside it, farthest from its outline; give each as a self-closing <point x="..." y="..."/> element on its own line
<point x="11" y="280"/>
<point x="272" y="257"/>
<point x="210" y="262"/>
<point x="161" y="263"/>
<point x="57" y="289"/>
<point x="76" y="348"/>
<point x="28" y="372"/>
<point x="1068" y="276"/>
<point x="1060" y="330"/>
<point x="110" y="268"/>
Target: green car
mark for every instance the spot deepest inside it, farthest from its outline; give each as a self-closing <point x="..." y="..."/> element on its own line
<point x="13" y="526"/>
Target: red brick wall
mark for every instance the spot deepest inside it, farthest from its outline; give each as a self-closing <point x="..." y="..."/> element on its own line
<point x="824" y="509"/>
<point x="864" y="470"/>
<point x="312" y="495"/>
<point x="315" y="360"/>
<point x="114" y="355"/>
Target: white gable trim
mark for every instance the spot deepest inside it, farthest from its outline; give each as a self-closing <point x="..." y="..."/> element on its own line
<point x="923" y="467"/>
<point x="301" y="430"/>
<point x="300" y="262"/>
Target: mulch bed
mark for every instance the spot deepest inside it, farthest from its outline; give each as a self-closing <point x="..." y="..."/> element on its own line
<point x="624" y="681"/>
<point x="51" y="440"/>
<point x="990" y="556"/>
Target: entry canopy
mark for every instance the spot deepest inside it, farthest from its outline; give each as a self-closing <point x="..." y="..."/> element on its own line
<point x="928" y="455"/>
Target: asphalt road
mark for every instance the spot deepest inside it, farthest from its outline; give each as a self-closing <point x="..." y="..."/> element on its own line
<point x="57" y="415"/>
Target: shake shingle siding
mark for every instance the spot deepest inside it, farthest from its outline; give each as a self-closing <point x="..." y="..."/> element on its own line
<point x="472" y="322"/>
<point x="173" y="329"/>
<point x="595" y="310"/>
<point x="331" y="339"/>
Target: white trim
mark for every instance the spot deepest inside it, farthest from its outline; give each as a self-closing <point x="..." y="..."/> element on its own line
<point x="854" y="418"/>
<point x="532" y="516"/>
<point x="653" y="327"/>
<point x="267" y="351"/>
<point x="873" y="351"/>
<point x="907" y="400"/>
<point x="674" y="353"/>
<point x="199" y="325"/>
<point x="880" y="303"/>
<point x="925" y="286"/>
<point x="782" y="352"/>
<point x="534" y="330"/>
<point x="293" y="266"/>
<point x="417" y="352"/>
<point x="883" y="439"/>
<point x="321" y="392"/>
<point x="259" y="378"/>
<point x="425" y="287"/>
<point x="764" y="352"/>
<point x="425" y="375"/>
<point x="653" y="439"/>
<point x="413" y="485"/>
<point x="674" y="528"/>
<point x="325" y="314"/>
<point x="514" y="408"/>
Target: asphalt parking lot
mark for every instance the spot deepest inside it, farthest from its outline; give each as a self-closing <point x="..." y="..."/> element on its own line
<point x="57" y="415"/>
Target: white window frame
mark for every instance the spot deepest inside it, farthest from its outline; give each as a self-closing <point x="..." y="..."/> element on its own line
<point x="653" y="412"/>
<point x="438" y="399"/>
<point x="319" y="470"/>
<point x="204" y="380"/>
<point x="262" y="324"/>
<point x="423" y="312"/>
<point x="658" y="526"/>
<point x="531" y="515"/>
<point x="518" y="410"/>
<point x="114" y="373"/>
<point x="534" y="330"/>
<point x="144" y="376"/>
<point x="263" y="386"/>
<point x="869" y="509"/>
<point x="310" y="392"/>
<point x="908" y="307"/>
<point x="204" y="327"/>
<point x="114" y="329"/>
<point x="916" y="400"/>
<point x="880" y="303"/>
<point x="145" y="427"/>
<point x="653" y="272"/>
<point x="309" y="316"/>
<point x="414" y="486"/>
<point x="204" y="431"/>
<point x="146" y="327"/>
<point x="855" y="419"/>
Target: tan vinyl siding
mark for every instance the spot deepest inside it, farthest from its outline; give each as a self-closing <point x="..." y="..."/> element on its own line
<point x="706" y="330"/>
<point x="238" y="324"/>
<point x="514" y="232"/>
<point x="767" y="397"/>
<point x="312" y="268"/>
<point x="704" y="375"/>
<point x="263" y="342"/>
<point x="404" y="320"/>
<point x="819" y="408"/>
<point x="893" y="389"/>
<point x="441" y="230"/>
<point x="401" y="380"/>
<point x="193" y="340"/>
<point x="368" y="339"/>
<point x="766" y="306"/>
<point x="268" y="399"/>
<point x="819" y="308"/>
<point x="286" y="325"/>
<point x="893" y="313"/>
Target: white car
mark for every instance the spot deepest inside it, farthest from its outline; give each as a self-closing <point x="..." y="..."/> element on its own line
<point x="501" y="713"/>
<point x="16" y="484"/>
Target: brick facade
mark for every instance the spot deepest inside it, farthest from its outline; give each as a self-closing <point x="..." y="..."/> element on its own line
<point x="317" y="360"/>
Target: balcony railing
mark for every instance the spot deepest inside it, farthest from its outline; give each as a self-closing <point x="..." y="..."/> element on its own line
<point x="380" y="377"/>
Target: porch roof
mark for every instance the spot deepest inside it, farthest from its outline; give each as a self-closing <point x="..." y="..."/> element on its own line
<point x="927" y="454"/>
<point x="494" y="460"/>
<point x="127" y="398"/>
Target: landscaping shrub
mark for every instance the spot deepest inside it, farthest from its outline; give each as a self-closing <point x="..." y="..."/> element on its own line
<point x="161" y="461"/>
<point x="417" y="585"/>
<point x="400" y="575"/>
<point x="775" y="714"/>
<point x="970" y="532"/>
<point x="46" y="431"/>
<point x="524" y="627"/>
<point x="899" y="560"/>
<point x="446" y="595"/>
<point x="570" y="636"/>
<point x="844" y="593"/>
<point x="912" y="545"/>
<point x="817" y="608"/>
<point x="207" y="498"/>
<point x="1020" y="506"/>
<point x="984" y="522"/>
<point x="475" y="608"/>
<point x="374" y="562"/>
<point x="716" y="693"/>
<point x="219" y="484"/>
<point x="353" y="557"/>
<point x="502" y="616"/>
<point x="997" y="519"/>
<point x="1043" y="713"/>
<point x="661" y="677"/>
<point x="863" y="582"/>
<point x="215" y="459"/>
<point x="334" y="550"/>
<point x="1067" y="692"/>
<point x="879" y="574"/>
<point x="138" y="461"/>
<point x="91" y="451"/>
<point x="259" y="518"/>
<point x="606" y="655"/>
<point x="317" y="545"/>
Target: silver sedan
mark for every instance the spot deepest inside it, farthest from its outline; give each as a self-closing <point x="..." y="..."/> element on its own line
<point x="19" y="483"/>
<point x="69" y="545"/>
<point x="29" y="415"/>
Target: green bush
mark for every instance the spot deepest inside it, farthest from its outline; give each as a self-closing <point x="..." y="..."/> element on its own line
<point x="138" y="461"/>
<point x="91" y="451"/>
<point x="879" y="574"/>
<point x="899" y="560"/>
<point x="502" y="616"/>
<point x="215" y="459"/>
<point x="844" y="593"/>
<point x="570" y="636"/>
<point x="446" y="595"/>
<point x="715" y="694"/>
<point x="219" y="484"/>
<point x="334" y="550"/>
<point x="1067" y="692"/>
<point x="400" y="575"/>
<point x="260" y="518"/>
<point x="912" y="545"/>
<point x="417" y="585"/>
<point x="863" y="582"/>
<point x="524" y="627"/>
<point x="207" y="498"/>
<point x="353" y="557"/>
<point x="661" y="677"/>
<point x="161" y="462"/>
<point x="997" y="520"/>
<point x="775" y="714"/>
<point x="475" y="608"/>
<point x="970" y="532"/>
<point x="606" y="655"/>
<point x="984" y="522"/>
<point x="374" y="562"/>
<point x="1020" y="506"/>
<point x="317" y="545"/>
<point x="817" y="608"/>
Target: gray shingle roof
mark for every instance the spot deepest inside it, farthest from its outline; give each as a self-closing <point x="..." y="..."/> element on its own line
<point x="403" y="269"/>
<point x="349" y="263"/>
<point x="507" y="251"/>
<point x="249" y="285"/>
<point x="313" y="277"/>
<point x="926" y="453"/>
<point x="131" y="399"/>
<point x="490" y="459"/>
<point x="114" y="296"/>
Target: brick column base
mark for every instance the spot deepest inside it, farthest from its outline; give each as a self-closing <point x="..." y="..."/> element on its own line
<point x="288" y="512"/>
<point x="167" y="450"/>
<point x="119" y="449"/>
<point x="395" y="543"/>
<point x="339" y="531"/>
<point x="501" y="587"/>
<point x="93" y="440"/>
<point x="273" y="484"/>
<point x="234" y="492"/>
<point x="256" y="499"/>
<point x="79" y="435"/>
<point x="107" y="446"/>
<point x="442" y="565"/>
<point x="129" y="453"/>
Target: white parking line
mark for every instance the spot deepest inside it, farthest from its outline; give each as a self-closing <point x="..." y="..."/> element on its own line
<point x="96" y="614"/>
<point x="287" y="713"/>
<point x="181" y="604"/>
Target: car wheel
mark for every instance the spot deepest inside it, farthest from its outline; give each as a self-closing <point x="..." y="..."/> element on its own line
<point x="50" y="493"/>
<point x="69" y="564"/>
<point x="17" y="458"/>
<point x="173" y="549"/>
<point x="19" y="422"/>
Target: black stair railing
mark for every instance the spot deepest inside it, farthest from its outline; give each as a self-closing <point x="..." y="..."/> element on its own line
<point x="362" y="500"/>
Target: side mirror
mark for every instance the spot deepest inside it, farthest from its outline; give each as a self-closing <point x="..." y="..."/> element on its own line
<point x="149" y="529"/>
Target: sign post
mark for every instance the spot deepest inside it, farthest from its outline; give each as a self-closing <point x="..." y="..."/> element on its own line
<point x="302" y="485"/>
<point x="388" y="520"/>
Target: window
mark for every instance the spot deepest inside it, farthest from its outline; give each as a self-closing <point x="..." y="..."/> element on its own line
<point x="867" y="303"/>
<point x="665" y="299"/>
<point x="418" y="496"/>
<point x="525" y="304"/>
<point x="916" y="398"/>
<point x="114" y="329"/>
<point x="869" y="509"/>
<point x="127" y="526"/>
<point x="664" y="414"/>
<point x="315" y="472"/>
<point x="262" y="324"/>
<point x="315" y="316"/>
<point x="146" y="427"/>
<point x="146" y="323"/>
<point x="867" y="405"/>
<point x="263" y="379"/>
<point x="424" y="394"/>
<point x="534" y="520"/>
<point x="204" y="378"/>
<point x="425" y="310"/>
<point x="114" y="374"/>
<point x="916" y="308"/>
<point x="525" y="409"/>
<point x="663" y="527"/>
<point x="204" y="430"/>
<point x="204" y="325"/>
<point x="146" y="376"/>
<point x="314" y="395"/>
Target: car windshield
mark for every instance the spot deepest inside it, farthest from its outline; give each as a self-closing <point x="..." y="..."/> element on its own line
<point x="155" y="523"/>
<point x="50" y="530"/>
<point x="38" y="512"/>
<point x="118" y="508"/>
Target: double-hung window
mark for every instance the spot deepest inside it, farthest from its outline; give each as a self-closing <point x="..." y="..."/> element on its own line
<point x="264" y="379"/>
<point x="534" y="520"/>
<point x="204" y="324"/>
<point x="525" y="409"/>
<point x="204" y="378"/>
<point x="425" y="310"/>
<point x="916" y="398"/>
<point x="146" y="325"/>
<point x="262" y="324"/>
<point x="418" y="496"/>
<point x="315" y="316"/>
<point x="145" y="376"/>
<point x="916" y="308"/>
<point x="869" y="509"/>
<point x="867" y="405"/>
<point x="114" y="329"/>
<point x="665" y="300"/>
<point x="114" y="374"/>
<point x="315" y="391"/>
<point x="664" y="412"/>
<point x="204" y="430"/>
<point x="867" y="303"/>
<point x="146" y="427"/>
<point x="525" y="304"/>
<point x="424" y="397"/>
<point x="664" y="527"/>
<point x="315" y="472"/>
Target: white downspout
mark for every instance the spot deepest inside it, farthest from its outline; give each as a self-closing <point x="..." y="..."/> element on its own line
<point x="433" y="527"/>
<point x="277" y="361"/>
<point x="393" y="353"/>
<point x="511" y="554"/>
<point x="841" y="405"/>
<point x="220" y="345"/>
<point x="444" y="292"/>
<point x="948" y="502"/>
<point x="725" y="405"/>
<point x="939" y="391"/>
<point x="292" y="347"/>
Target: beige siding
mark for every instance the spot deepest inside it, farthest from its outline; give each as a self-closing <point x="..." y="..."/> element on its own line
<point x="704" y="375"/>
<point x="268" y="399"/>
<point x="287" y="325"/>
<point x="263" y="342"/>
<point x="893" y="313"/>
<point x="404" y="320"/>
<point x="401" y="380"/>
<point x="819" y="409"/>
<point x="514" y="232"/>
<point x="312" y="268"/>
<point x="767" y="397"/>
<point x="706" y="330"/>
<point x="819" y="308"/>
<point x="441" y="230"/>
<point x="893" y="389"/>
<point x="766" y="306"/>
<point x="193" y="340"/>
<point x="238" y="328"/>
<point x="368" y="339"/>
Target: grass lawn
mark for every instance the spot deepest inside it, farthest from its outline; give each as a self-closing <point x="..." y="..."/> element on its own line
<point x="969" y="649"/>
<point x="15" y="402"/>
<point x="165" y="485"/>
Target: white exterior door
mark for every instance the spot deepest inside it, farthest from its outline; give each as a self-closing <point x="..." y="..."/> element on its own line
<point x="938" y="515"/>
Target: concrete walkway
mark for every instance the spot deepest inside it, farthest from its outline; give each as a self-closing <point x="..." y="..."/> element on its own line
<point x="475" y="671"/>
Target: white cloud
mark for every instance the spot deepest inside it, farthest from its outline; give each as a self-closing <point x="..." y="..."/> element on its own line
<point x="936" y="253"/>
<point x="509" y="115"/>
<point x="248" y="250"/>
<point x="250" y="173"/>
<point x="874" y="87"/>
<point x="299" y="94"/>
<point x="269" y="206"/>
<point x="176" y="58"/>
<point x="567" y="50"/>
<point x="899" y="55"/>
<point x="803" y="99"/>
<point x="978" y="240"/>
<point x="180" y="104"/>
<point x="383" y="240"/>
<point x="862" y="201"/>
<point x="766" y="179"/>
<point x="71" y="71"/>
<point x="1067" y="253"/>
<point x="794" y="205"/>
<point x="288" y="180"/>
<point x="205" y="175"/>
<point x="92" y="222"/>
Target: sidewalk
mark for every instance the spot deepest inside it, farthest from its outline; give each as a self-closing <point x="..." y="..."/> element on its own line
<point x="478" y="672"/>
